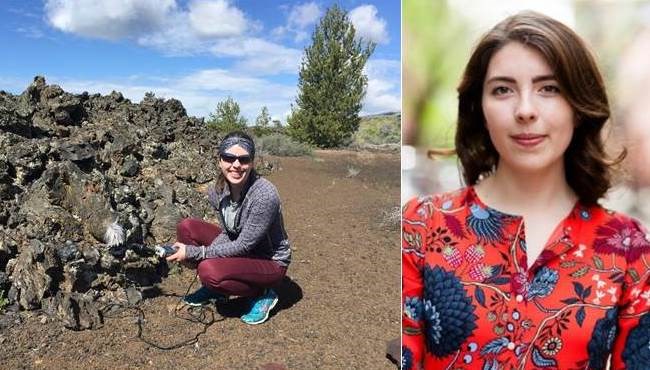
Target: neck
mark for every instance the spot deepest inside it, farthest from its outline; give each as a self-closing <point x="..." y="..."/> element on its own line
<point x="517" y="192"/>
<point x="235" y="191"/>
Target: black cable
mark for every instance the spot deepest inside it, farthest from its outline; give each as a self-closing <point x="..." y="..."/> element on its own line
<point x="205" y="316"/>
<point x="202" y="318"/>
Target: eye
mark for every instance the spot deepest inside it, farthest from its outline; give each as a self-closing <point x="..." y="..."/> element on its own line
<point x="550" y="89"/>
<point x="500" y="90"/>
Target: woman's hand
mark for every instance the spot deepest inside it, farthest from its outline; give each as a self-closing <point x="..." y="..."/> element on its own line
<point x="179" y="256"/>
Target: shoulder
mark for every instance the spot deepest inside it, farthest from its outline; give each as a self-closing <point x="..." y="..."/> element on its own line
<point x="616" y="232"/>
<point x="426" y="206"/>
<point x="263" y="189"/>
<point x="263" y="185"/>
<point x="604" y="218"/>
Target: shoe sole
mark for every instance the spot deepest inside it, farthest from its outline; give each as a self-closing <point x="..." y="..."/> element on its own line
<point x="266" y="317"/>
<point x="215" y="301"/>
<point x="196" y="304"/>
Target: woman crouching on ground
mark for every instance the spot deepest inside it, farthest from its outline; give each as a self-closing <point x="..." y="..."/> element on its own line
<point x="252" y="253"/>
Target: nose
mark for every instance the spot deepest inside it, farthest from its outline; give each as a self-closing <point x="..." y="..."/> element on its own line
<point x="526" y="111"/>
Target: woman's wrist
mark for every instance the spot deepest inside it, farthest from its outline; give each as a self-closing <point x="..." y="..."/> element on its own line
<point x="193" y="252"/>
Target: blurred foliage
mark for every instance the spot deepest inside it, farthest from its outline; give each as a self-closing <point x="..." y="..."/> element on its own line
<point x="436" y="45"/>
<point x="265" y="130"/>
<point x="608" y="27"/>
<point x="377" y="130"/>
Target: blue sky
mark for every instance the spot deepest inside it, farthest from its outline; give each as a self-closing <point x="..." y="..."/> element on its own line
<point x="198" y="51"/>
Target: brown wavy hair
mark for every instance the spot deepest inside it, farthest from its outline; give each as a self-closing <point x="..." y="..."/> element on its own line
<point x="588" y="169"/>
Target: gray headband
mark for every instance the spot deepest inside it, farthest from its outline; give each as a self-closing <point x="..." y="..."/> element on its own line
<point x="245" y="143"/>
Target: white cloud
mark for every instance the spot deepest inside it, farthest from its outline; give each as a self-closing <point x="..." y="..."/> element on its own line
<point x="368" y="25"/>
<point x="301" y="36"/>
<point x="31" y="32"/>
<point x="206" y="26"/>
<point x="383" y="93"/>
<point x="303" y="15"/>
<point x="279" y="32"/>
<point x="383" y="67"/>
<point x="216" y="18"/>
<point x="220" y="80"/>
<point x="176" y="38"/>
<point x="299" y="19"/>
<point x="258" y="56"/>
<point x="108" y="19"/>
<point x="380" y="97"/>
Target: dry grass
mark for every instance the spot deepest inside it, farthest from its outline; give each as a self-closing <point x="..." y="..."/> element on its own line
<point x="353" y="171"/>
<point x="391" y="217"/>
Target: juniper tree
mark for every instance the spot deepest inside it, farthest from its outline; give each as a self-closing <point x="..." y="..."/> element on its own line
<point x="263" y="119"/>
<point x="227" y="117"/>
<point x="331" y="83"/>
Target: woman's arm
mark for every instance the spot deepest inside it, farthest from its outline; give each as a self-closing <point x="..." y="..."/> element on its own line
<point x="264" y="207"/>
<point x="413" y="237"/>
<point x="632" y="344"/>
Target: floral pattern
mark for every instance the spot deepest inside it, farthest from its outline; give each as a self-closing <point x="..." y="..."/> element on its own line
<point x="413" y="308"/>
<point x="543" y="283"/>
<point x="471" y="302"/>
<point x="637" y="347"/>
<point x="407" y="358"/>
<point x="486" y="224"/>
<point x="621" y="239"/>
<point x="448" y="311"/>
<point x="602" y="339"/>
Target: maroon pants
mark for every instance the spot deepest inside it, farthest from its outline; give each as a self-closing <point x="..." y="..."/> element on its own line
<point x="240" y="276"/>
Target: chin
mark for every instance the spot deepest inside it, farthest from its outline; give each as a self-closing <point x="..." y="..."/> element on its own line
<point x="531" y="165"/>
<point x="237" y="181"/>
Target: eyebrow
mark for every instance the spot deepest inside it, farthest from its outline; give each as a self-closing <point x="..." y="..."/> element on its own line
<point x="507" y="79"/>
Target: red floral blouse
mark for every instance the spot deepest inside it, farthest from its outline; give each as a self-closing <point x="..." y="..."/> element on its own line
<point x="471" y="302"/>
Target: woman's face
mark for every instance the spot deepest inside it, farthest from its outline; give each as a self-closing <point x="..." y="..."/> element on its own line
<point x="236" y="165"/>
<point x="529" y="120"/>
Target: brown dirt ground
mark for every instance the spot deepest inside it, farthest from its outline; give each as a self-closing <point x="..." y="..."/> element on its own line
<point x="337" y="310"/>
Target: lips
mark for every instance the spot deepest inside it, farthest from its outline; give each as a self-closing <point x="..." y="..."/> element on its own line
<point x="528" y="140"/>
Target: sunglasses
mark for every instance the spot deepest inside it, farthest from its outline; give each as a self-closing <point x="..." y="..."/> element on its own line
<point x="231" y="158"/>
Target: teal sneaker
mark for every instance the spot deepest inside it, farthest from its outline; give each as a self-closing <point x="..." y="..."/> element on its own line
<point x="261" y="307"/>
<point x="203" y="296"/>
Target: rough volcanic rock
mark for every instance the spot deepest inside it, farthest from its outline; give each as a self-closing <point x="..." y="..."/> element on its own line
<point x="34" y="275"/>
<point x="76" y="311"/>
<point x="8" y="248"/>
<point x="88" y="184"/>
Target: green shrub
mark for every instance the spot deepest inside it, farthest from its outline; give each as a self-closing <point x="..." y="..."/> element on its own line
<point x="378" y="130"/>
<point x="281" y="145"/>
<point x="259" y="131"/>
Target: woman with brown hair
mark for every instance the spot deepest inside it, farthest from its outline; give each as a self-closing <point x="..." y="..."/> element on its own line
<point x="251" y="254"/>
<point x="523" y="268"/>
